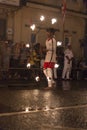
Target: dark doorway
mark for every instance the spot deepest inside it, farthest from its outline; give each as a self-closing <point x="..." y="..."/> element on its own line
<point x="2" y="29"/>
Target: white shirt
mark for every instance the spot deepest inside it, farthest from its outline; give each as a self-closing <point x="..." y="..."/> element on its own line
<point x="51" y="50"/>
<point x="68" y="53"/>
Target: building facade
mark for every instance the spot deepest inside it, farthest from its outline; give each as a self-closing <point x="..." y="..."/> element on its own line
<point x="70" y="28"/>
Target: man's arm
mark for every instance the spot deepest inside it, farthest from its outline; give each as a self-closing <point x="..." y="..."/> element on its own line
<point x="68" y="59"/>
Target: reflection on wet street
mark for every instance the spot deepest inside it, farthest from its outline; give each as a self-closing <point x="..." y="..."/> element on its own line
<point x="66" y="85"/>
<point x="33" y="108"/>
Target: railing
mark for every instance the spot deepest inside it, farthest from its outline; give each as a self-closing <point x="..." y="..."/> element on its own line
<point x="23" y="73"/>
<point x="33" y="73"/>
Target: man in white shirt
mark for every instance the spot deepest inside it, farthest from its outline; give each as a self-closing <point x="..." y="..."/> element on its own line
<point x="50" y="58"/>
<point x="68" y="56"/>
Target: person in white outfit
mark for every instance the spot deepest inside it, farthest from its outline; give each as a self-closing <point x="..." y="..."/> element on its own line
<point x="68" y="57"/>
<point x="50" y="58"/>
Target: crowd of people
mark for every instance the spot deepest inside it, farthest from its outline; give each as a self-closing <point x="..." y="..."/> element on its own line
<point x="14" y="58"/>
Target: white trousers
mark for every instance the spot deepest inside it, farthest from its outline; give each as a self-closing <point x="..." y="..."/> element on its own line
<point x="49" y="76"/>
<point x="55" y="73"/>
<point x="66" y="71"/>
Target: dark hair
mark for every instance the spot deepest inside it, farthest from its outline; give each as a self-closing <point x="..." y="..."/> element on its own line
<point x="51" y="30"/>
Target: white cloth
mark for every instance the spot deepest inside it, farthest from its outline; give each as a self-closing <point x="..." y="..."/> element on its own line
<point x="55" y="73"/>
<point x="68" y="53"/>
<point x="51" y="50"/>
<point x="49" y="76"/>
<point x="67" y="64"/>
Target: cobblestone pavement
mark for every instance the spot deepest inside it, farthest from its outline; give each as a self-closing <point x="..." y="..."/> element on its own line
<point x="30" y="107"/>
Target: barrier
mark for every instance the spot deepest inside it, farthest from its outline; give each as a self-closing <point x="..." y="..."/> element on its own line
<point x="22" y="73"/>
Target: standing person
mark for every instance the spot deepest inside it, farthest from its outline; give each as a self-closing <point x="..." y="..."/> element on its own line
<point x="50" y="57"/>
<point x="68" y="57"/>
<point x="6" y="59"/>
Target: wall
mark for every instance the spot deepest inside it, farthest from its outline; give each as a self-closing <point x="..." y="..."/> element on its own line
<point x="24" y="17"/>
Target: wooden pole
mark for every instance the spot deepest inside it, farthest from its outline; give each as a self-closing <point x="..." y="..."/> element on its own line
<point x="63" y="19"/>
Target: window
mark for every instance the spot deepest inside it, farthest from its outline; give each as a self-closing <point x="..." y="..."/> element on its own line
<point x="74" y="0"/>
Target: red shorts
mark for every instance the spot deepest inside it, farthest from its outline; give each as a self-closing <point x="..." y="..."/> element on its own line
<point x="49" y="65"/>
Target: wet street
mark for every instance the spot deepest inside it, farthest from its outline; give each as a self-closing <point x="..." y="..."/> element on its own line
<point x="27" y="106"/>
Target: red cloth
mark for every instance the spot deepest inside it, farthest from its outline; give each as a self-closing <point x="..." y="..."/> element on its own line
<point x="49" y="65"/>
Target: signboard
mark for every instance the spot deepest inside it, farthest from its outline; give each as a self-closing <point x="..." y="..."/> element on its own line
<point x="10" y="2"/>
